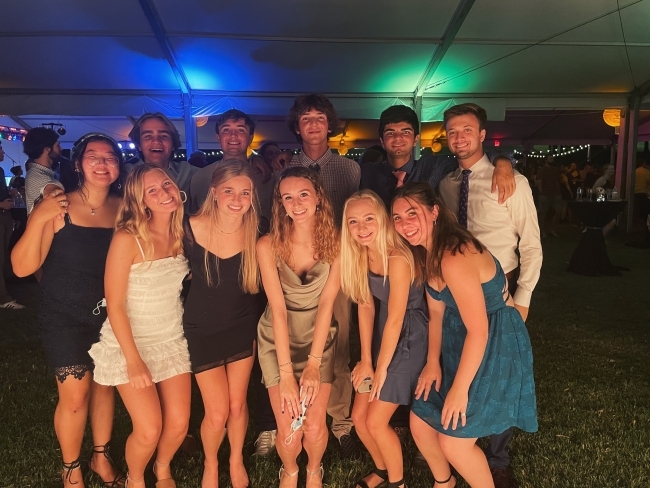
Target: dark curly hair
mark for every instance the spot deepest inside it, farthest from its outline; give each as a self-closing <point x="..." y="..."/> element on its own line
<point x="305" y="103"/>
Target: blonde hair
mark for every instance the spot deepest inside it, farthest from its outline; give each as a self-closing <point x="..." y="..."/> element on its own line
<point x="354" y="256"/>
<point x="133" y="214"/>
<point x="326" y="235"/>
<point x="248" y="269"/>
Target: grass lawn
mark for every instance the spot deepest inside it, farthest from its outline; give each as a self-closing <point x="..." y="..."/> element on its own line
<point x="592" y="359"/>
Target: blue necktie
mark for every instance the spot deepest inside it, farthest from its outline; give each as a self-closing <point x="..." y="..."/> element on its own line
<point x="464" y="196"/>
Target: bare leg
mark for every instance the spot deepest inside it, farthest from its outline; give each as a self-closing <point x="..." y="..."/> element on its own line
<point x="70" y="422"/>
<point x="386" y="440"/>
<point x="238" y="374"/>
<point x="359" y="418"/>
<point x="213" y="384"/>
<point x="174" y="394"/>
<point x="288" y="451"/>
<point x="428" y="441"/>
<point x="102" y="411"/>
<point x="468" y="459"/>
<point x="315" y="436"/>
<point x="144" y="408"/>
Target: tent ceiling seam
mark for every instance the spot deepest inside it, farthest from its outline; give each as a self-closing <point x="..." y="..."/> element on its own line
<point x="451" y="30"/>
<point x="155" y="22"/>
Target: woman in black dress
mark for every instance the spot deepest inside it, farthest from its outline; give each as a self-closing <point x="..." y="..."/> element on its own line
<point x="68" y="235"/>
<point x="222" y="310"/>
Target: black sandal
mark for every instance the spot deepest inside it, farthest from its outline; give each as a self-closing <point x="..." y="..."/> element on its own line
<point x="382" y="473"/>
<point x="396" y="484"/>
<point x="443" y="482"/>
<point x="68" y="468"/>
<point x="120" y="479"/>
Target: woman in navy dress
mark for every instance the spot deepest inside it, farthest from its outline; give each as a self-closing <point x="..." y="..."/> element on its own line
<point x="487" y="381"/>
<point x="377" y="267"/>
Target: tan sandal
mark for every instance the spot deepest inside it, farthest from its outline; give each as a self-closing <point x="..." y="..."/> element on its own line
<point x="290" y="475"/>
<point x="319" y="472"/>
<point x="167" y="482"/>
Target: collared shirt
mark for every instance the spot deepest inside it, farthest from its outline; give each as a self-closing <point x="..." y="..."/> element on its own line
<point x="642" y="180"/>
<point x="379" y="177"/>
<point x="36" y="179"/>
<point x="340" y="177"/>
<point x="180" y="171"/>
<point x="501" y="227"/>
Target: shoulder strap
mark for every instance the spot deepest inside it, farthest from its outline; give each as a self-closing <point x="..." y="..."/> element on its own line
<point x="141" y="251"/>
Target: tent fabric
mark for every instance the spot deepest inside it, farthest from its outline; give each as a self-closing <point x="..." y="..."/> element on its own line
<point x="104" y="58"/>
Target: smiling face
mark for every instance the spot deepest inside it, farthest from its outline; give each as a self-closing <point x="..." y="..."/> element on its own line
<point x="313" y="127"/>
<point x="299" y="198"/>
<point x="465" y="138"/>
<point x="156" y="143"/>
<point x="233" y="196"/>
<point x="413" y="221"/>
<point x="161" y="194"/>
<point x="399" y="139"/>
<point x="234" y="137"/>
<point x="362" y="222"/>
<point x="99" y="164"/>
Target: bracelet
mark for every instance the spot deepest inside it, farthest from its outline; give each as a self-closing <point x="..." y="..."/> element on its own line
<point x="319" y="359"/>
<point x="285" y="364"/>
<point x="285" y="371"/>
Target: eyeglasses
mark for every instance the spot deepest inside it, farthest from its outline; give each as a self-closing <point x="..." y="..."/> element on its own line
<point x="111" y="161"/>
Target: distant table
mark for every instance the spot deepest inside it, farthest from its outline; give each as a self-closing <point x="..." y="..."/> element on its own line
<point x="590" y="257"/>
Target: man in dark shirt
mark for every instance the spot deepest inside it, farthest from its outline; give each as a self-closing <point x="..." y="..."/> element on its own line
<point x="399" y="133"/>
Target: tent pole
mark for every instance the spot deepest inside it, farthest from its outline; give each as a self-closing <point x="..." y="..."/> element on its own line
<point x="191" y="136"/>
<point x="417" y="105"/>
<point x="633" y="125"/>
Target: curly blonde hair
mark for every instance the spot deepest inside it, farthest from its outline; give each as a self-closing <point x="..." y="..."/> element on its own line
<point x="248" y="270"/>
<point x="133" y="214"/>
<point x="326" y="235"/>
<point x="354" y="256"/>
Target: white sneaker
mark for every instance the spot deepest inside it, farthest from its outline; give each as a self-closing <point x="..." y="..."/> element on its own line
<point x="265" y="443"/>
<point x="12" y="305"/>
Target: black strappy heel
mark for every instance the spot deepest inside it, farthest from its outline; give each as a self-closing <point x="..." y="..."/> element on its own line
<point x="120" y="479"/>
<point x="396" y="484"/>
<point x="381" y="473"/>
<point x="68" y="468"/>
<point x="443" y="482"/>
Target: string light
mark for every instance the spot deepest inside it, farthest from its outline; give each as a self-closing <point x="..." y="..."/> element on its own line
<point x="557" y="152"/>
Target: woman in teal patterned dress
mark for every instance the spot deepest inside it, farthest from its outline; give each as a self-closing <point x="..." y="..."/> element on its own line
<point x="487" y="381"/>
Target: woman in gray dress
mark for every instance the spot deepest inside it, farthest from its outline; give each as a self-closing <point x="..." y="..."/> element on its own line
<point x="377" y="267"/>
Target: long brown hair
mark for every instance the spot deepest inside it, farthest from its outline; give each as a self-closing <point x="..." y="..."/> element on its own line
<point x="248" y="270"/>
<point x="447" y="236"/>
<point x="132" y="215"/>
<point x="326" y="235"/>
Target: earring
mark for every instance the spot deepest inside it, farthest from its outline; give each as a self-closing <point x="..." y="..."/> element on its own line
<point x="119" y="186"/>
<point x="183" y="196"/>
<point x="78" y="178"/>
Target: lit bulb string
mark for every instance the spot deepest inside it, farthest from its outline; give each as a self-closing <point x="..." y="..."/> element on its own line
<point x="562" y="152"/>
<point x="495" y="60"/>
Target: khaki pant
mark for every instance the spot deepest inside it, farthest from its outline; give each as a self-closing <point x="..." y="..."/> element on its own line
<point x="341" y="396"/>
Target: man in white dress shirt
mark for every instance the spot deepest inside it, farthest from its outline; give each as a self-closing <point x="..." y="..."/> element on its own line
<point x="504" y="228"/>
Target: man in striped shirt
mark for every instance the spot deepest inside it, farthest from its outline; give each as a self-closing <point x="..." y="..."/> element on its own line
<point x="42" y="147"/>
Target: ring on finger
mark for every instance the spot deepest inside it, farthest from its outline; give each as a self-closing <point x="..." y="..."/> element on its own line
<point x="462" y="414"/>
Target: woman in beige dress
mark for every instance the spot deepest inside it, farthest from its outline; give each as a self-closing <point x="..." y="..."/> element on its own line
<point x="296" y="335"/>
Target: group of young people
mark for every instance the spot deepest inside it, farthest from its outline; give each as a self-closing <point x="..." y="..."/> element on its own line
<point x="438" y="325"/>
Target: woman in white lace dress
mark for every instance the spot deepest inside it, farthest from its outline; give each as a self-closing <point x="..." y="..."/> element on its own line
<point x="142" y="349"/>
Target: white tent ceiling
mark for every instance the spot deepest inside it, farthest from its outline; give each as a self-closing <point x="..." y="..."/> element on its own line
<point x="100" y="62"/>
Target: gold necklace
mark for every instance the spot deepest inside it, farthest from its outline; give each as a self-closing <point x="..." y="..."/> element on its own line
<point x="233" y="232"/>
